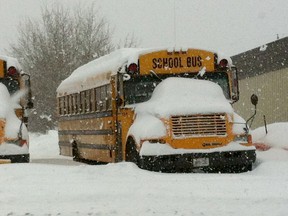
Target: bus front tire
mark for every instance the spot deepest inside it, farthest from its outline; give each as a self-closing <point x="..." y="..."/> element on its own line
<point x="75" y="152"/>
<point x="131" y="152"/>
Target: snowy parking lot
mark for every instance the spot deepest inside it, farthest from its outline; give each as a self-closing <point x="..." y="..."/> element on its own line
<point x="55" y="185"/>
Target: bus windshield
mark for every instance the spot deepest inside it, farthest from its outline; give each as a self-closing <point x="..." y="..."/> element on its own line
<point x="11" y="84"/>
<point x="139" y="89"/>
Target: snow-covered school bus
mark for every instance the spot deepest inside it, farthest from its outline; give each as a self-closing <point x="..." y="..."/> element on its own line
<point x="15" y="99"/>
<point x="165" y="110"/>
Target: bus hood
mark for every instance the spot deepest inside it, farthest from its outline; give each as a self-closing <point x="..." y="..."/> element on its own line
<point x="147" y="126"/>
<point x="183" y="96"/>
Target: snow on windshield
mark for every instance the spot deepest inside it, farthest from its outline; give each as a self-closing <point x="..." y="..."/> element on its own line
<point x="181" y="96"/>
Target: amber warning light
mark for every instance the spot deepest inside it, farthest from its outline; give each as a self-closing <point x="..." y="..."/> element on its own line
<point x="132" y="68"/>
<point x="12" y="72"/>
<point x="223" y="63"/>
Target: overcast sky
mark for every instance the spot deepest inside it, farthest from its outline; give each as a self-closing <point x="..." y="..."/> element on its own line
<point x="230" y="26"/>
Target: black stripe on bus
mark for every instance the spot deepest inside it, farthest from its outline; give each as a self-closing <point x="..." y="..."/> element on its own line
<point x="85" y="132"/>
<point x="86" y="116"/>
<point x="89" y="146"/>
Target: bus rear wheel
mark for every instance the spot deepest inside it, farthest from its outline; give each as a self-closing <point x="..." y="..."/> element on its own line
<point x="131" y="152"/>
<point x="75" y="152"/>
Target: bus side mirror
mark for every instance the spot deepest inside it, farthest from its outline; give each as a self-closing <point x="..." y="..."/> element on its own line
<point x="254" y="99"/>
<point x="119" y="101"/>
<point x="29" y="105"/>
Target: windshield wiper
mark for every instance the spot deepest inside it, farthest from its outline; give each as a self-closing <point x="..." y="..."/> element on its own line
<point x="152" y="73"/>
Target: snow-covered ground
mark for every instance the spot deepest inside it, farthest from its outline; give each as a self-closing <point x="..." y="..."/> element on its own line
<point x="55" y="185"/>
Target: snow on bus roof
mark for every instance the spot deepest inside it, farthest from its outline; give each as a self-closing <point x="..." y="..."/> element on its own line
<point x="10" y="61"/>
<point x="98" y="71"/>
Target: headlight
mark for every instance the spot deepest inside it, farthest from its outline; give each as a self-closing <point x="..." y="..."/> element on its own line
<point x="160" y="141"/>
<point x="18" y="142"/>
<point x="241" y="138"/>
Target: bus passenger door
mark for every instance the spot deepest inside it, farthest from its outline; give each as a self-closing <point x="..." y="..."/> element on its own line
<point x="117" y="101"/>
<point x="123" y="119"/>
<point x="125" y="116"/>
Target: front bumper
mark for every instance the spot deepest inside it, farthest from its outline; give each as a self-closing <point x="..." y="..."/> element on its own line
<point x="227" y="162"/>
<point x="17" y="158"/>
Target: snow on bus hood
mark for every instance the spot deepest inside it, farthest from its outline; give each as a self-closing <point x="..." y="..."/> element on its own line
<point x="147" y="126"/>
<point x="176" y="96"/>
<point x="183" y="96"/>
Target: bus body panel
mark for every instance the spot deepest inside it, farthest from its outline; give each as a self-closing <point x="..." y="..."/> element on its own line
<point x="93" y="134"/>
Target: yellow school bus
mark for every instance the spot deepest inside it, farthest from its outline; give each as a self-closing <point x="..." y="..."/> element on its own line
<point x="163" y="109"/>
<point x="16" y="99"/>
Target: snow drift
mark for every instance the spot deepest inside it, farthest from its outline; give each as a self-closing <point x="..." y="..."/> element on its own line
<point x="276" y="136"/>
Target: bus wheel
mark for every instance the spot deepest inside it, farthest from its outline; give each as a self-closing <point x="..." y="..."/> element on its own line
<point x="75" y="152"/>
<point x="238" y="169"/>
<point x="131" y="151"/>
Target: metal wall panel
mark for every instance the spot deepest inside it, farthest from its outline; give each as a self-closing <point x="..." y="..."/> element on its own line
<point x="272" y="90"/>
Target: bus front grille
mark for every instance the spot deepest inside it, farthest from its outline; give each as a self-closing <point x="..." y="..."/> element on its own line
<point x="199" y="125"/>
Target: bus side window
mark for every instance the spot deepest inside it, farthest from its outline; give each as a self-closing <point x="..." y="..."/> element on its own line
<point x="109" y="97"/>
<point x="82" y="102"/>
<point x="60" y="106"/>
<point x="73" y="104"/>
<point x="103" y="98"/>
<point x="78" y="107"/>
<point x="64" y="105"/>
<point x="98" y="100"/>
<point x="92" y="101"/>
<point x="84" y="105"/>
<point x="68" y="104"/>
<point x="87" y="101"/>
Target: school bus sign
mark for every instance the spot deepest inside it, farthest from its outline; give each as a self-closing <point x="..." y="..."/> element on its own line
<point x="179" y="62"/>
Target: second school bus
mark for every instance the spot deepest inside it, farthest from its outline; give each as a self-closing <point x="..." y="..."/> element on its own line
<point x="14" y="139"/>
<point x="98" y="103"/>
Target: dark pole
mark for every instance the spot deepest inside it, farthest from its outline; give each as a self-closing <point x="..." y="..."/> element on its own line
<point x="265" y="124"/>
